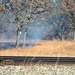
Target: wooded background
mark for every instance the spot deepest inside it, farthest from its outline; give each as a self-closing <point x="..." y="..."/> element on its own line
<point x="37" y="19"/>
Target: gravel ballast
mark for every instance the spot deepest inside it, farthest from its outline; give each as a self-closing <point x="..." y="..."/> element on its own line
<point x="45" y="69"/>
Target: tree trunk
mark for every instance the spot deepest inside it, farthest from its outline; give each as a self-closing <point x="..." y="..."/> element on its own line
<point x="17" y="39"/>
<point x="24" y="39"/>
<point x="60" y="36"/>
<point x="74" y="35"/>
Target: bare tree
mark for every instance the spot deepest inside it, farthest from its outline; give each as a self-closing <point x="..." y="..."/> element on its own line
<point x="68" y="6"/>
<point x="24" y="12"/>
<point x="2" y="11"/>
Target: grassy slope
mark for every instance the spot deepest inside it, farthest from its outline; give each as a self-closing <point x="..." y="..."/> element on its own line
<point x="46" y="48"/>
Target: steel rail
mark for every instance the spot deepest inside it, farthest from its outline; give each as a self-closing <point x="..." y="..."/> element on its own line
<point x="36" y="59"/>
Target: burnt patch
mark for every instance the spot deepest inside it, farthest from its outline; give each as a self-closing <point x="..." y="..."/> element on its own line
<point x="5" y="45"/>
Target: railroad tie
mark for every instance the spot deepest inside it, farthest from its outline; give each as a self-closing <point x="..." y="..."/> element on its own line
<point x="8" y="62"/>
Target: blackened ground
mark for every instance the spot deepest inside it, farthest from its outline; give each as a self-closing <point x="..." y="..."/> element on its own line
<point x="12" y="45"/>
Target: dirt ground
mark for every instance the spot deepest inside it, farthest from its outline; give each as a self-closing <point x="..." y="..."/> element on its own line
<point x="44" y="48"/>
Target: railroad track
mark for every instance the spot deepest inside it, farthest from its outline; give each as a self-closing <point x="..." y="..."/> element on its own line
<point x="12" y="59"/>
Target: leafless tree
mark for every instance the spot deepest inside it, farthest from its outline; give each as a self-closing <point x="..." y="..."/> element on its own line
<point x="68" y="7"/>
<point x="24" y="12"/>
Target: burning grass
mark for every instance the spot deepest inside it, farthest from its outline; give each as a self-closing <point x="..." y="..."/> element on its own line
<point x="44" y="48"/>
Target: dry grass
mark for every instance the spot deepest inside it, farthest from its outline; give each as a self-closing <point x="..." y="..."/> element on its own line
<point x="46" y="48"/>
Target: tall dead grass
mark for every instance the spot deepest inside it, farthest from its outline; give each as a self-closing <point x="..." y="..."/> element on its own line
<point x="44" y="48"/>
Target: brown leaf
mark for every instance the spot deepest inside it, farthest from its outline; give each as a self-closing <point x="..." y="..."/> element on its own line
<point x="3" y="9"/>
